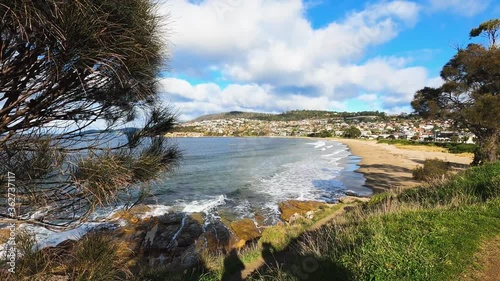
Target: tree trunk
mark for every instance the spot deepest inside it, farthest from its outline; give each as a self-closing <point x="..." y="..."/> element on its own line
<point x="488" y="149"/>
<point x="491" y="147"/>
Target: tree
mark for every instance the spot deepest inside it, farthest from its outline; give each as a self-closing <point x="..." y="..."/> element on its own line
<point x="66" y="65"/>
<point x="469" y="95"/>
<point x="352" y="133"/>
<point x="489" y="29"/>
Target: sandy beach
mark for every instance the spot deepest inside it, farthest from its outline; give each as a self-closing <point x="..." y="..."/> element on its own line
<point x="387" y="166"/>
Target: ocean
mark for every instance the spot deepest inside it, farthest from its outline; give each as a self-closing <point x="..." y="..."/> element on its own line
<point x="240" y="177"/>
<point x="243" y="176"/>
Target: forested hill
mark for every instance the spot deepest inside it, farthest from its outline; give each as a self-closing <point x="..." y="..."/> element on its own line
<point x="289" y="115"/>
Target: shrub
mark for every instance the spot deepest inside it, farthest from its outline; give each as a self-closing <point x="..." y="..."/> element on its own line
<point x="352" y="133"/>
<point x="432" y="169"/>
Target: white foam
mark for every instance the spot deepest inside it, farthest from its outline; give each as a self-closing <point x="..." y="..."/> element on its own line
<point x="317" y="144"/>
<point x="204" y="206"/>
<point x="48" y="238"/>
<point x="156" y="211"/>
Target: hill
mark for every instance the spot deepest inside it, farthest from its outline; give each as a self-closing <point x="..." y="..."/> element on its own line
<point x="293" y="115"/>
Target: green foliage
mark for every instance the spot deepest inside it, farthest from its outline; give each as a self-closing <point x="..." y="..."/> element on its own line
<point x="34" y="262"/>
<point x="65" y="65"/>
<point x="432" y="169"/>
<point x="470" y="93"/>
<point x="322" y="134"/>
<point x="489" y="29"/>
<point x="452" y="147"/>
<point x="352" y="133"/>
<point x="478" y="184"/>
<point x="293" y="115"/>
<point x="95" y="257"/>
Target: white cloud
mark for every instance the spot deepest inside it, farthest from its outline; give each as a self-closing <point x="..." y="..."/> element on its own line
<point x="265" y="48"/>
<point x="195" y="100"/>
<point x="466" y="8"/>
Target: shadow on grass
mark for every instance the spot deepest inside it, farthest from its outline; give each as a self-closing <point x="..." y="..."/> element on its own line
<point x="233" y="267"/>
<point x="289" y="264"/>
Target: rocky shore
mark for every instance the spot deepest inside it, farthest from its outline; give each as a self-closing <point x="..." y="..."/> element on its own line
<point x="176" y="241"/>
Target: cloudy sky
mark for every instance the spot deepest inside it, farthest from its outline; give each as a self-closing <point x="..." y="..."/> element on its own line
<point x="278" y="55"/>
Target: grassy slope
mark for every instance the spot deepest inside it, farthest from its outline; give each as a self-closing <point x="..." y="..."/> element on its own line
<point x="427" y="233"/>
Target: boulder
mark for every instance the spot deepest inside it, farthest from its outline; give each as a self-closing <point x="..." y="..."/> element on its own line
<point x="291" y="207"/>
<point x="352" y="199"/>
<point x="245" y="229"/>
<point x="218" y="237"/>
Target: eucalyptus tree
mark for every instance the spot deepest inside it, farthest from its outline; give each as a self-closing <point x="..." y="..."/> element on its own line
<point x="469" y="95"/>
<point x="66" y="65"/>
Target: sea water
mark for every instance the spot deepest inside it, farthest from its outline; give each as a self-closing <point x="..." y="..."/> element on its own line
<point x="241" y="177"/>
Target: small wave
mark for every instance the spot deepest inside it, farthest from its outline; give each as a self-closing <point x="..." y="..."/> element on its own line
<point x="156" y="211"/>
<point x="317" y="144"/>
<point x="204" y="206"/>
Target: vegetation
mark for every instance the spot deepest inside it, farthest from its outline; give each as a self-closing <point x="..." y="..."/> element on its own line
<point x="470" y="93"/>
<point x="322" y="134"/>
<point x="352" y="133"/>
<point x="432" y="169"/>
<point x="416" y="234"/>
<point x="66" y="65"/>
<point x="293" y="115"/>
<point x="452" y="147"/>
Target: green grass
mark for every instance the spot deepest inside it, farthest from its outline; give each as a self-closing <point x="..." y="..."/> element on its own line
<point x="420" y="245"/>
<point x="427" y="233"/>
<point x="456" y="148"/>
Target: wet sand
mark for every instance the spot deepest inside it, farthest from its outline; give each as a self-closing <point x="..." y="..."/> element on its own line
<point x="387" y="166"/>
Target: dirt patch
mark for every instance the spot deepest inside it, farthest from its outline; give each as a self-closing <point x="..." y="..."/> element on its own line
<point x="487" y="264"/>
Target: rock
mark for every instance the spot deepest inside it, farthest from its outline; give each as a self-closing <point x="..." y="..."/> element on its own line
<point x="198" y="217"/>
<point x="240" y="244"/>
<point x="245" y="229"/>
<point x="173" y="218"/>
<point x="261" y="221"/>
<point x="291" y="207"/>
<point x="293" y="218"/>
<point x="218" y="237"/>
<point x="309" y="215"/>
<point x="132" y="216"/>
<point x="189" y="233"/>
<point x="190" y="257"/>
<point x="352" y="199"/>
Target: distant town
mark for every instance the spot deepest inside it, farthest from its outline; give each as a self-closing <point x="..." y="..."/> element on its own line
<point x="323" y="124"/>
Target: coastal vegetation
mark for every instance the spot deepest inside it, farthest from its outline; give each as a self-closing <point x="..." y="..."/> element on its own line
<point x="292" y="115"/>
<point x="67" y="66"/>
<point x="432" y="169"/>
<point x="411" y="234"/>
<point x="352" y="133"/>
<point x="451" y="147"/>
<point x="416" y="234"/>
<point x="470" y="93"/>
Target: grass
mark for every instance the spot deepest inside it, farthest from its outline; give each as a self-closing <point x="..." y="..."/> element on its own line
<point x="456" y="148"/>
<point x="432" y="169"/>
<point x="427" y="233"/>
<point x="432" y="232"/>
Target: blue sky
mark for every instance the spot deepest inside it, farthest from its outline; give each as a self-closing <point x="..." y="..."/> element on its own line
<point x="273" y="56"/>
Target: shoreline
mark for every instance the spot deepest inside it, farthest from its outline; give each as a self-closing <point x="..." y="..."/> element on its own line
<point x="384" y="166"/>
<point x="387" y="167"/>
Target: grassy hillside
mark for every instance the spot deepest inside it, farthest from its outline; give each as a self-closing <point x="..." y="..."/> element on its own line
<point x="433" y="232"/>
<point x="427" y="233"/>
<point x="293" y="115"/>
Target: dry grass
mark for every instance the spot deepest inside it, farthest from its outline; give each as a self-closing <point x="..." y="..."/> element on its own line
<point x="422" y="148"/>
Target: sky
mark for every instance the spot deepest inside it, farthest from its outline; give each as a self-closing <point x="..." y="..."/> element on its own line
<point x="279" y="55"/>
